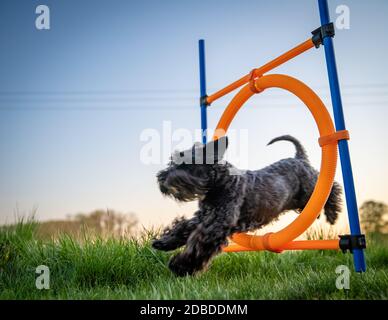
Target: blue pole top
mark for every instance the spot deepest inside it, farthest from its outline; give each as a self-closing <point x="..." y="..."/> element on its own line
<point x="202" y="82"/>
<point x="202" y="70"/>
<point x="324" y="11"/>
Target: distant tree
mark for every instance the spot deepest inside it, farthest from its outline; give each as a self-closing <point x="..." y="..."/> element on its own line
<point x="373" y="216"/>
<point x="105" y="223"/>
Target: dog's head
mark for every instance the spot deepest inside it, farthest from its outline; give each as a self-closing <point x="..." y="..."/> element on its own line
<point x="191" y="173"/>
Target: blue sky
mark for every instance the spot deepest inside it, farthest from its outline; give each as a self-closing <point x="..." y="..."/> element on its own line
<point x="74" y="99"/>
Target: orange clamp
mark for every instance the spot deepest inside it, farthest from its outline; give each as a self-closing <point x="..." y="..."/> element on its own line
<point x="252" y="81"/>
<point x="334" y="137"/>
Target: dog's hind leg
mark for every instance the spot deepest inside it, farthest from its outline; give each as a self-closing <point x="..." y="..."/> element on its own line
<point x="176" y="235"/>
<point x="333" y="203"/>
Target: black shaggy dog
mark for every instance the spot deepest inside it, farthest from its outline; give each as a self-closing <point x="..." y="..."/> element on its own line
<point x="231" y="200"/>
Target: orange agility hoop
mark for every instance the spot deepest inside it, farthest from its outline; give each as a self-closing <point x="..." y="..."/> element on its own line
<point x="257" y="81"/>
<point x="283" y="239"/>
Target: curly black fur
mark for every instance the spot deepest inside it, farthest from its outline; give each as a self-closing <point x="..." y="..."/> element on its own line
<point x="230" y="202"/>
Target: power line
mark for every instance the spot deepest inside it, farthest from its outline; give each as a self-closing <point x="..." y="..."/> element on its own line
<point x="282" y="96"/>
<point x="163" y="91"/>
<point x="168" y="107"/>
<point x="171" y="99"/>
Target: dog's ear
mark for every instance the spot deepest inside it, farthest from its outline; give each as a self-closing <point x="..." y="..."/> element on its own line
<point x="197" y="153"/>
<point x="215" y="150"/>
<point x="211" y="152"/>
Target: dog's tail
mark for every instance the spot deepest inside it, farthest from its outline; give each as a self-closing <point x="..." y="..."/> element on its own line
<point x="300" y="152"/>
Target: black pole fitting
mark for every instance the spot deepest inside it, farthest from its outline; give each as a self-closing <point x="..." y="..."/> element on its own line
<point x="326" y="30"/>
<point x="350" y="242"/>
<point x="203" y="101"/>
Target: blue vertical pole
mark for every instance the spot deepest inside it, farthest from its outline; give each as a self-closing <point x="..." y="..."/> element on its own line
<point x="202" y="82"/>
<point x="350" y="193"/>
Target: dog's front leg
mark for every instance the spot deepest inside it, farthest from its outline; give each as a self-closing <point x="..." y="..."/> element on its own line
<point x="176" y="235"/>
<point x="205" y="241"/>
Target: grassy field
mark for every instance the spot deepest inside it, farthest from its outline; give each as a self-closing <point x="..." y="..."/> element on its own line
<point x="131" y="269"/>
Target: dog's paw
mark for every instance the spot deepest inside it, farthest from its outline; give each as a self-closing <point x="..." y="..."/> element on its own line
<point x="166" y="243"/>
<point x="163" y="245"/>
<point x="180" y="267"/>
<point x="158" y="244"/>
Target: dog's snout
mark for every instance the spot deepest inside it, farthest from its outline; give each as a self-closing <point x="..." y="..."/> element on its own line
<point x="161" y="176"/>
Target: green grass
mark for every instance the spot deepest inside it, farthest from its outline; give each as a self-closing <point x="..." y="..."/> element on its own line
<point x="131" y="269"/>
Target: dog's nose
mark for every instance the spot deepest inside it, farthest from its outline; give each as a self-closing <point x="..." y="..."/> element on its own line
<point x="161" y="174"/>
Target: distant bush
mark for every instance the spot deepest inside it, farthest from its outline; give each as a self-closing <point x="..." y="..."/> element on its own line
<point x="374" y="216"/>
<point x="102" y="223"/>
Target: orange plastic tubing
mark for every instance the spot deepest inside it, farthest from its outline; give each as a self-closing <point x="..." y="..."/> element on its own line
<point x="304" y="46"/>
<point x="294" y="245"/>
<point x="278" y="240"/>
